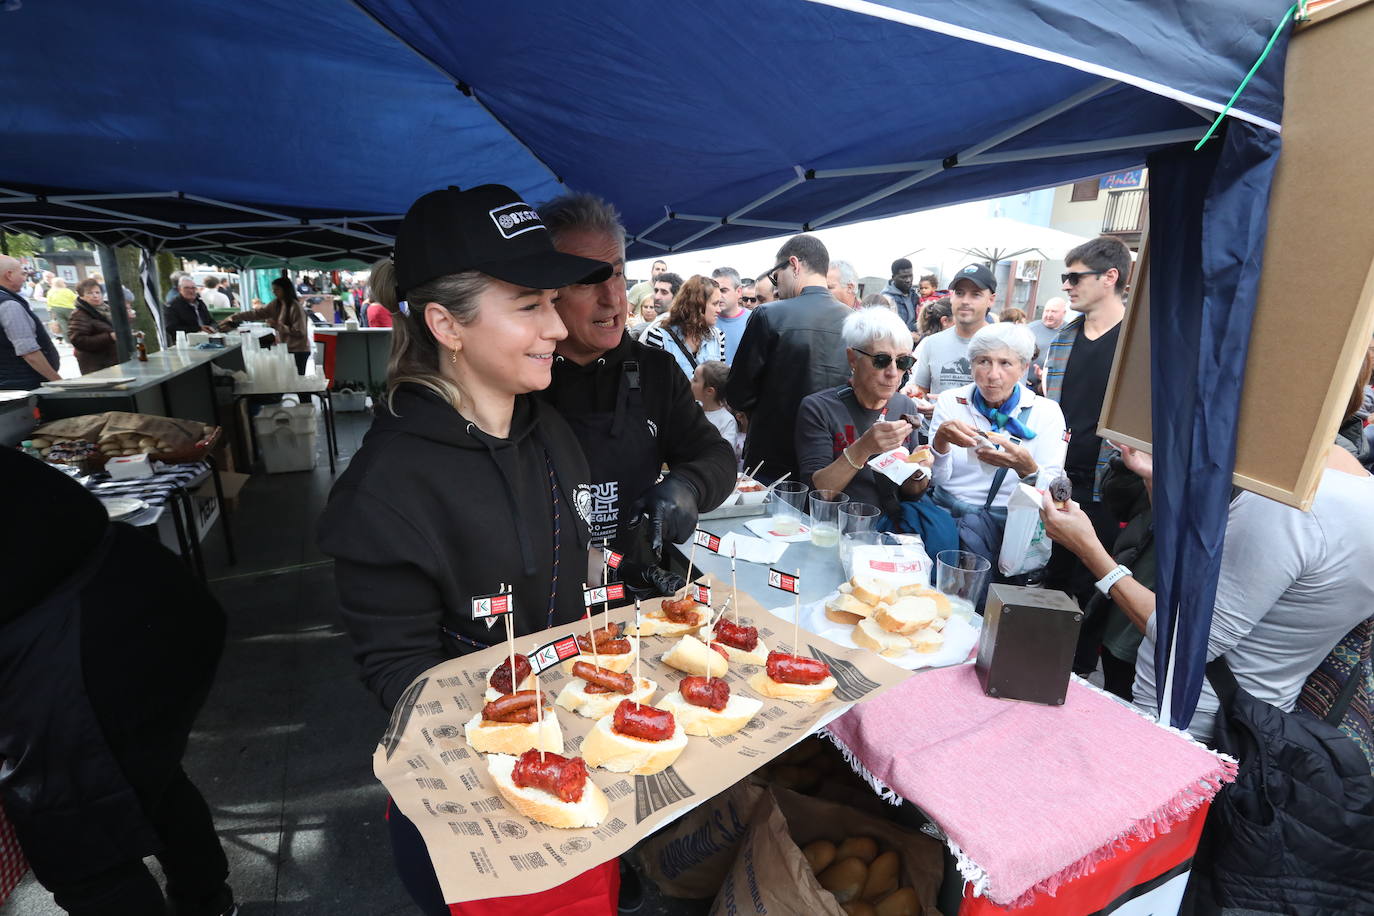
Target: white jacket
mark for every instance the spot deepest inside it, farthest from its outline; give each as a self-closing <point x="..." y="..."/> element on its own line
<point x="962" y="475"/>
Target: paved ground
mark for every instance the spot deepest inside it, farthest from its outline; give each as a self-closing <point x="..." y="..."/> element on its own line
<point x="282" y="751"/>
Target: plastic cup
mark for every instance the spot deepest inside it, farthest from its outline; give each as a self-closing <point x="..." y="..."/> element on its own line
<point x="858" y="517"/>
<point x="825" y="516"/>
<point x="963" y="576"/>
<point x="787" y="506"/>
<point x="852" y="539"/>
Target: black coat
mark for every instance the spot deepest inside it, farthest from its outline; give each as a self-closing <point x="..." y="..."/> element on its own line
<point x="680" y="435"/>
<point x="431" y="513"/>
<point x="186" y="316"/>
<point x="790" y="349"/>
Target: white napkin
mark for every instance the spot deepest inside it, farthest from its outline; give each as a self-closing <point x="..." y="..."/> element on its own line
<point x="763" y="527"/>
<point x="753" y="550"/>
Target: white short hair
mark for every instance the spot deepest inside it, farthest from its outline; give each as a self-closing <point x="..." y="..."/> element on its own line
<point x="1003" y="336"/>
<point x="875" y="324"/>
<point x="848" y="275"/>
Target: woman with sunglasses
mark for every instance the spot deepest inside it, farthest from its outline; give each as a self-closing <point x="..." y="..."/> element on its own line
<point x="840" y="429"/>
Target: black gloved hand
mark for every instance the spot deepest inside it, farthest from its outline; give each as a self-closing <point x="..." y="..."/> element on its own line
<point x="649" y="581"/>
<point x="671" y="508"/>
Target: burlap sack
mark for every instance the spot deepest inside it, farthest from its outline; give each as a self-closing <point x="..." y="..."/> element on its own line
<point x="692" y="855"/>
<point x="771" y="876"/>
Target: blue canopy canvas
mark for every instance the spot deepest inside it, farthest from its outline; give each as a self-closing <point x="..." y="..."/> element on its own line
<point x="275" y="130"/>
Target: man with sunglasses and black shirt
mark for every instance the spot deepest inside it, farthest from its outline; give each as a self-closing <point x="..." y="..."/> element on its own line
<point x="1077" y="367"/>
<point x="790" y="349"/>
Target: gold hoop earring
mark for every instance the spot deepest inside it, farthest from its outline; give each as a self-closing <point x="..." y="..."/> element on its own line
<point x="454" y="357"/>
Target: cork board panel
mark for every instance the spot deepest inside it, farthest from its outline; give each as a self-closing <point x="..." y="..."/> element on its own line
<point x="1315" y="312"/>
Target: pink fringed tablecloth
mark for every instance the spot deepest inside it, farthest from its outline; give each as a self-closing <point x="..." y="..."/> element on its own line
<point x="1029" y="796"/>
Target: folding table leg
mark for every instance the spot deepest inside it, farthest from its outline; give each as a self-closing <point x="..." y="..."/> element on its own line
<point x="223" y="509"/>
<point x="175" y="511"/>
<point x="192" y="531"/>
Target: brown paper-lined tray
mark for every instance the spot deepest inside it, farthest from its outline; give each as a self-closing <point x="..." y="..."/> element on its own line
<point x="483" y="848"/>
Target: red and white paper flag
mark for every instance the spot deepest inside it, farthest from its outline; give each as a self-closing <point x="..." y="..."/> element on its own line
<point x="489" y="607"/>
<point x="785" y="582"/>
<point x="612" y="558"/>
<point x="603" y="593"/>
<point x="701" y="594"/>
<point x="550" y="654"/>
<point x="706" y="539"/>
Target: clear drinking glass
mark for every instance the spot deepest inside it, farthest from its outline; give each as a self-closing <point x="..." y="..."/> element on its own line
<point x="825" y="516"/>
<point x="787" y="506"/>
<point x="963" y="576"/>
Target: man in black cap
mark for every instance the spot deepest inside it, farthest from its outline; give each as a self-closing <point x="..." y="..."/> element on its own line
<point x="942" y="359"/>
<point x="631" y="408"/>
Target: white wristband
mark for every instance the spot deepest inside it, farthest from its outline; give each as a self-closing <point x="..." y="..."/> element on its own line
<point x="1104" y="585"/>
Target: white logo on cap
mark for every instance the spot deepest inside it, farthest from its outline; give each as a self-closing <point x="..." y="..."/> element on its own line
<point x="513" y="219"/>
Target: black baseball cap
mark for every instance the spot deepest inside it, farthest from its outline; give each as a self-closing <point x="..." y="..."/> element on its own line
<point x="979" y="274"/>
<point x="488" y="229"/>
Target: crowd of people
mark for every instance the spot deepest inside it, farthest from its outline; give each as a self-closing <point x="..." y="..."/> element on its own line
<point x="538" y="407"/>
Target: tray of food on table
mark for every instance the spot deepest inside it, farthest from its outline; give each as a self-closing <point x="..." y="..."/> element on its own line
<point x="550" y="753"/>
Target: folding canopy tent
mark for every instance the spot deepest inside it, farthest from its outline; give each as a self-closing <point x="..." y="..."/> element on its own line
<point x="275" y="129"/>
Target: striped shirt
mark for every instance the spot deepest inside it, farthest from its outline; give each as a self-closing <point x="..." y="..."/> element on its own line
<point x="712" y="348"/>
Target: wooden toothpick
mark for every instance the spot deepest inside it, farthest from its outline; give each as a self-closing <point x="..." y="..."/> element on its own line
<point x="796" y="616"/>
<point x="734" y="589"/>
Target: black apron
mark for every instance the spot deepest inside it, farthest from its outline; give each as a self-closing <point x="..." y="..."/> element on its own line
<point x="621" y="446"/>
<point x="74" y="812"/>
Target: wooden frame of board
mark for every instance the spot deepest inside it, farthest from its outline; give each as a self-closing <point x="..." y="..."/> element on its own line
<point x="1315" y="313"/>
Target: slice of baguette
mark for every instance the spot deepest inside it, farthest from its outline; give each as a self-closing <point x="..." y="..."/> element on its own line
<point x="872" y="591"/>
<point x="691" y="655"/>
<point x="493" y="694"/>
<point x="917" y="590"/>
<point x="869" y="635"/>
<point x="846" y="608"/>
<point x="622" y="754"/>
<point x="758" y="657"/>
<point x="764" y="685"/>
<point x="655" y="624"/>
<point x="574" y="697"/>
<point x="707" y="723"/>
<point x="617" y="663"/>
<point x="544" y="807"/>
<point x="927" y="640"/>
<point x="513" y="737"/>
<point x="906" y="615"/>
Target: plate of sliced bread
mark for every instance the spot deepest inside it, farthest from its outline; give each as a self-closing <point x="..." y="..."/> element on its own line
<point x="911" y="625"/>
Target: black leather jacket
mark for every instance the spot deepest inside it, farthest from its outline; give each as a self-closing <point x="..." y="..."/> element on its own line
<point x="790" y="349"/>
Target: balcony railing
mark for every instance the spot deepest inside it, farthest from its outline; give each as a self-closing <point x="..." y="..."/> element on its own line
<point x="1126" y="211"/>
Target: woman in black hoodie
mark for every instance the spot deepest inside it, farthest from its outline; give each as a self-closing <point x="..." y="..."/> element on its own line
<point x="464" y="483"/>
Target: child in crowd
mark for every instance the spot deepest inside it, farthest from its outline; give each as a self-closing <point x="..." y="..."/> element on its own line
<point x="708" y="387"/>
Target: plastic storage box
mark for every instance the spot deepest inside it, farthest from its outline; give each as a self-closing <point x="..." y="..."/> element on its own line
<point x="286" y="436"/>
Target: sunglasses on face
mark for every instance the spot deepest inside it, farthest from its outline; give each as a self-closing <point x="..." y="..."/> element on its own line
<point x="748" y="298"/>
<point x="1072" y="277"/>
<point x="772" y="275"/>
<point x="883" y="360"/>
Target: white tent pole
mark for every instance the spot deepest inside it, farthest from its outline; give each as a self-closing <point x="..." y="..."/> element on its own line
<point x="1058" y="108"/>
<point x="783" y="189"/>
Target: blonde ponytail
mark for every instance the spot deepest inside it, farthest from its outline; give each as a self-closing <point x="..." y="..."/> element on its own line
<point x="415" y="354"/>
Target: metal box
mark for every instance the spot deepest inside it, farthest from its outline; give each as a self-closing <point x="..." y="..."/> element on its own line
<point x="1027" y="645"/>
